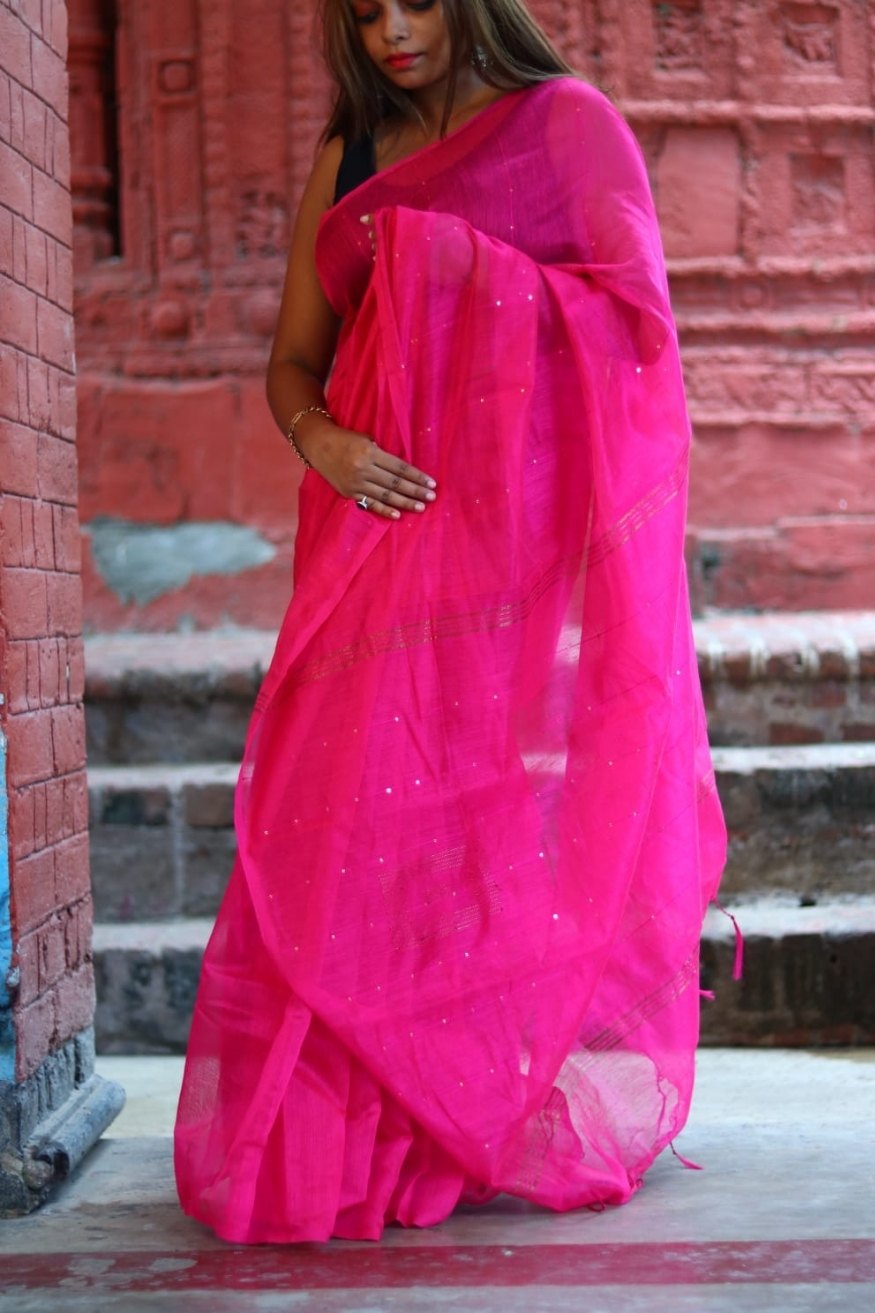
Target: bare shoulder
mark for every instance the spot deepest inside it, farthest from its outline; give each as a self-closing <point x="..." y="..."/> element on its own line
<point x="319" y="192"/>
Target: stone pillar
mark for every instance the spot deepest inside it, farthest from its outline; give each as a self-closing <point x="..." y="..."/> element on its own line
<point x="52" y="1106"/>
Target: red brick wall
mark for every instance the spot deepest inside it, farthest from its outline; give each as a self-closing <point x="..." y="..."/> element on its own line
<point x="757" y="122"/>
<point x="41" y="668"/>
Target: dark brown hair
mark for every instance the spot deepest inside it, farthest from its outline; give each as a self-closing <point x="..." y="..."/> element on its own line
<point x="511" y="48"/>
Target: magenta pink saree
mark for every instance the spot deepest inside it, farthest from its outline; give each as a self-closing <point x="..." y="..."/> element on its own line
<point x="476" y="817"/>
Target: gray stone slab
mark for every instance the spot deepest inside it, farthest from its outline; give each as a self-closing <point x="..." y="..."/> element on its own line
<point x="791" y="1181"/>
<point x="825" y="1087"/>
<point x="749" y="1298"/>
<point x="786" y="1140"/>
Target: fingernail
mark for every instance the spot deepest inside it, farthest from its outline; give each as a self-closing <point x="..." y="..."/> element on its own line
<point x="430" y="496"/>
<point x="396" y="515"/>
<point x="430" y="483"/>
<point x="419" y="506"/>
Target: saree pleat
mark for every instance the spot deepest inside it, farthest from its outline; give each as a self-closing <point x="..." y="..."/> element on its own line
<point x="476" y="817"/>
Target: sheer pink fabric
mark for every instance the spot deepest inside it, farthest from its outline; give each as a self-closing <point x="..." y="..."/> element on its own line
<point x="476" y="817"/>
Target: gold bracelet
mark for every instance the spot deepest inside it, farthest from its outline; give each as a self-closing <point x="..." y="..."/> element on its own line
<point x="295" y="421"/>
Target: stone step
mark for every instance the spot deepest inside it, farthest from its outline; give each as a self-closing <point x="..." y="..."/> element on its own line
<point x="774" y="678"/>
<point x="807" y="978"/>
<point x="801" y="821"/>
<point x="172" y="697"/>
<point x="162" y="839"/>
<point x="780" y="678"/>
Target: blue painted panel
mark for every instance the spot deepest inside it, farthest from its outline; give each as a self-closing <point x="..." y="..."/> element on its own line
<point x="7" y="1030"/>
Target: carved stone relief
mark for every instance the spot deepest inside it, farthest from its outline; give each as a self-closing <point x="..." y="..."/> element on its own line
<point x="818" y="183"/>
<point x="680" y="35"/>
<point x="810" y="37"/>
<point x="262" y="223"/>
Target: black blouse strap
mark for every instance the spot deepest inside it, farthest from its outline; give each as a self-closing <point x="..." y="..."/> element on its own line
<point x="357" y="164"/>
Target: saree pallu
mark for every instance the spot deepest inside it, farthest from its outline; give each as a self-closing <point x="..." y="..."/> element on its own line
<point x="476" y="817"/>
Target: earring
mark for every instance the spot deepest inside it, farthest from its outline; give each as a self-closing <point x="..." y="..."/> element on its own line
<point x="479" y="59"/>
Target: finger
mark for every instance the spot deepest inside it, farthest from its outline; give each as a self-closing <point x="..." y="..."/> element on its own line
<point x="377" y="507"/>
<point x="403" y="487"/>
<point x="380" y="495"/>
<point x="394" y="465"/>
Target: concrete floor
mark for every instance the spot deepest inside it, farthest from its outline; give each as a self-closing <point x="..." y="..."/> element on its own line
<point x="782" y="1218"/>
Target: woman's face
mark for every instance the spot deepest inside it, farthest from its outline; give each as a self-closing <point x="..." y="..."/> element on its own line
<point x="408" y="42"/>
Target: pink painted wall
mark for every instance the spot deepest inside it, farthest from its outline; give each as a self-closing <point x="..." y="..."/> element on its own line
<point x="756" y="119"/>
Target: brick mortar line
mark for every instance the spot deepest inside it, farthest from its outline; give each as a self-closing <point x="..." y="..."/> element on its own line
<point x="56" y="914"/>
<point x="46" y="232"/>
<point x="34" y="88"/>
<point x="62" y="182"/>
<point x="47" y="105"/>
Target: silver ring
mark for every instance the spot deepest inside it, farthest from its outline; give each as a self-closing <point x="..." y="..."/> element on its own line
<point x="363" y="503"/>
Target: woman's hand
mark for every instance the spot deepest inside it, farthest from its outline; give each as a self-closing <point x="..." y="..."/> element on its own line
<point x="356" y="467"/>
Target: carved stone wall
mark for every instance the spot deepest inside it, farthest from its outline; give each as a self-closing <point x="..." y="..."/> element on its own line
<point x="757" y="122"/>
<point x="194" y="126"/>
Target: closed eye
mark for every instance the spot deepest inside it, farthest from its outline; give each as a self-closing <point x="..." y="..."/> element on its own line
<point x="418" y="7"/>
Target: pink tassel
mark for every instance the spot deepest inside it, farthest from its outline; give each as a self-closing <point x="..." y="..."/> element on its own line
<point x="738" y="964"/>
<point x="707" y="993"/>
<point x="685" y="1162"/>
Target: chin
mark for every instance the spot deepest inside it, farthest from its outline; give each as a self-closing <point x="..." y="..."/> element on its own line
<point x="416" y="79"/>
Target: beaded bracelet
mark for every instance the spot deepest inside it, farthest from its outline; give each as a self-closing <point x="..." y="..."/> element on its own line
<point x="295" y="421"/>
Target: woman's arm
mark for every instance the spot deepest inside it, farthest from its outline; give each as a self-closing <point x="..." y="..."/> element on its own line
<point x="306" y="333"/>
<point x="300" y="360"/>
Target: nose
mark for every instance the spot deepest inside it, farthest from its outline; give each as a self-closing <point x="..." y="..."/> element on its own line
<point x="395" y="25"/>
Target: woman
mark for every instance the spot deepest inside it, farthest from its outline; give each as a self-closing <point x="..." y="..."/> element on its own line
<point x="476" y="817"/>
